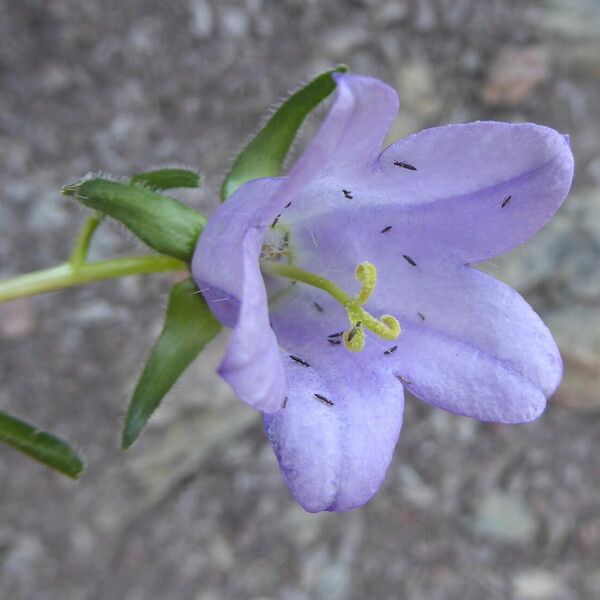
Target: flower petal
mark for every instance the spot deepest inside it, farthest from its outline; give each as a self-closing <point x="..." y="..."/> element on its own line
<point x="218" y="262"/>
<point x="362" y="115"/>
<point x="334" y="457"/>
<point x="350" y="137"/>
<point x="465" y="176"/>
<point x="252" y="363"/>
<point x="471" y="345"/>
<point x="480" y="189"/>
<point x="225" y="264"/>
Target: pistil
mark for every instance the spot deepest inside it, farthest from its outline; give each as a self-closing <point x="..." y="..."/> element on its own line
<point x="386" y="327"/>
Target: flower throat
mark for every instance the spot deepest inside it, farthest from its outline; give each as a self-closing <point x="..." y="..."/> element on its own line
<point x="386" y="327"/>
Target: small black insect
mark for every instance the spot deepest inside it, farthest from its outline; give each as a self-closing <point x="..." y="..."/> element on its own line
<point x="284" y="402"/>
<point x="336" y="335"/>
<point x="299" y="360"/>
<point x="386" y="229"/>
<point x="505" y="201"/>
<point x="409" y="260"/>
<point x="318" y="306"/>
<point x="421" y="316"/>
<point x="390" y="350"/>
<point x="347" y="194"/>
<point x="353" y="331"/>
<point x="404" y="165"/>
<point x="275" y="220"/>
<point x="334" y="342"/>
<point x="324" y="399"/>
<point x="284" y="243"/>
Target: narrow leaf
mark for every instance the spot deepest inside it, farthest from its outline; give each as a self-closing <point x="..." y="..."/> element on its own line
<point x="189" y="326"/>
<point x="165" y="224"/>
<point x="264" y="155"/>
<point x="42" y="446"/>
<point x="166" y="179"/>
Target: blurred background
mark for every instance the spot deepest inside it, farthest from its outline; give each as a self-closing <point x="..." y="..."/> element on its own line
<point x="197" y="509"/>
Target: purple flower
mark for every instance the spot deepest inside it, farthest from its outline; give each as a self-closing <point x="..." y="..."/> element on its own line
<point x="351" y="234"/>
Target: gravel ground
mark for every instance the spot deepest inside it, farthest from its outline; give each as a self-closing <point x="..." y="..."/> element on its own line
<point x="197" y="510"/>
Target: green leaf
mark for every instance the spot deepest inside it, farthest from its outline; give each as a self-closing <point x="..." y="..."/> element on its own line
<point x="166" y="179"/>
<point x="42" y="446"/>
<point x="189" y="326"/>
<point x="165" y="224"/>
<point x="264" y="155"/>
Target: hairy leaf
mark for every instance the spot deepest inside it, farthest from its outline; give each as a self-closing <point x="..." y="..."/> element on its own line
<point x="189" y="326"/>
<point x="163" y="223"/>
<point x="44" y="447"/>
<point x="166" y="179"/>
<point x="266" y="152"/>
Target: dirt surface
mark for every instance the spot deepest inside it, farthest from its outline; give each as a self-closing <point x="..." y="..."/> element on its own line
<point x="197" y="510"/>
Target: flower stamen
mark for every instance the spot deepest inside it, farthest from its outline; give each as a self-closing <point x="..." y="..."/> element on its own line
<point x="386" y="327"/>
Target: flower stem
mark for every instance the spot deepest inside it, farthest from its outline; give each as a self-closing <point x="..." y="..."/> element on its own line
<point x="295" y="274"/>
<point x="82" y="244"/>
<point x="72" y="273"/>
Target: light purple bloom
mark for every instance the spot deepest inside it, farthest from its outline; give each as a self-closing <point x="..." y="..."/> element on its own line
<point x="469" y="344"/>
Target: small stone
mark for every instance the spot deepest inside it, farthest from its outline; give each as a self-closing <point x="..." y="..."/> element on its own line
<point x="416" y="86"/>
<point x="593" y="583"/>
<point x="538" y="584"/>
<point x="16" y="318"/>
<point x="210" y="594"/>
<point x="343" y="40"/>
<point x="414" y="489"/>
<point x="94" y="312"/>
<point x="506" y="518"/>
<point x="515" y="75"/>
<point x="572" y="19"/>
<point x="25" y="553"/>
<point x="222" y="553"/>
<point x="390" y="13"/>
<point x="202" y="18"/>
<point x="235" y="22"/>
<point x="426" y="19"/>
<point x="580" y="349"/>
<point x="47" y="212"/>
<point x="589" y="536"/>
<point x="333" y="582"/>
<point x="304" y="528"/>
<point x="55" y="78"/>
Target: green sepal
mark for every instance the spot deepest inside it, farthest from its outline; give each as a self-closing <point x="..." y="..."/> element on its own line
<point x="189" y="326"/>
<point x="166" y="179"/>
<point x="266" y="152"/>
<point x="163" y="223"/>
<point x="43" y="447"/>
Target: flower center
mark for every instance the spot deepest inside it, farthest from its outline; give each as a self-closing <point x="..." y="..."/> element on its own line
<point x="386" y="327"/>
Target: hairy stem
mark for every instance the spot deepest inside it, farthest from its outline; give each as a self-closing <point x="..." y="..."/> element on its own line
<point x="70" y="274"/>
<point x="386" y="327"/>
<point x="82" y="243"/>
<point x="295" y="274"/>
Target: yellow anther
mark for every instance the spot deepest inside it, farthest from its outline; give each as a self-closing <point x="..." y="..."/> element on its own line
<point x="366" y="274"/>
<point x="386" y="327"/>
<point x="354" y="338"/>
<point x="390" y="327"/>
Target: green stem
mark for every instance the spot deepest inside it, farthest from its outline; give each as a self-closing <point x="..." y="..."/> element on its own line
<point x="68" y="274"/>
<point x="82" y="244"/>
<point x="386" y="326"/>
<point x="295" y="274"/>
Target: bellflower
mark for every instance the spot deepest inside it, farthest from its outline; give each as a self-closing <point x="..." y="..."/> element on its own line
<point x="351" y="279"/>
